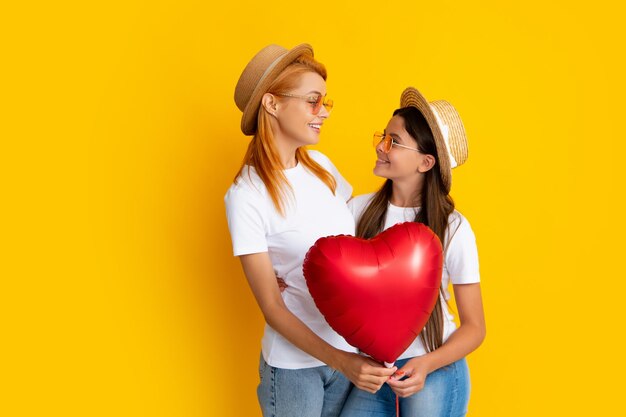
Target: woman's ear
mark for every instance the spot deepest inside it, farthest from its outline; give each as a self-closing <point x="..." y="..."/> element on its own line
<point x="269" y="103"/>
<point x="426" y="163"/>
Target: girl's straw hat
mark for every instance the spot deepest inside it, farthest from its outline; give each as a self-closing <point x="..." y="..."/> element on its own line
<point x="255" y="79"/>
<point x="447" y="128"/>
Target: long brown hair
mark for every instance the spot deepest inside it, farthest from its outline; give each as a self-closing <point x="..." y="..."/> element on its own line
<point x="262" y="153"/>
<point x="435" y="208"/>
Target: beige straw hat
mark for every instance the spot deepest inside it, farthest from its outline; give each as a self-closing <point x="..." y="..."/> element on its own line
<point x="260" y="72"/>
<point x="447" y="128"/>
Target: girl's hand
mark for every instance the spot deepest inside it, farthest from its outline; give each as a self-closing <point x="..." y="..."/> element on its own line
<point x="363" y="372"/>
<point x="416" y="370"/>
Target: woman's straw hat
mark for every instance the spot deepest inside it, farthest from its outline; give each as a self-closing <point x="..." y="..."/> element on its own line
<point x="447" y="128"/>
<point x="256" y="78"/>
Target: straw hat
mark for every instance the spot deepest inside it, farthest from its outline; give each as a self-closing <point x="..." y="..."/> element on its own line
<point x="447" y="128"/>
<point x="255" y="79"/>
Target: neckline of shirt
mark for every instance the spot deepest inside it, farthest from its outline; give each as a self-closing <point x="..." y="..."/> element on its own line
<point x="286" y="170"/>
<point x="292" y="169"/>
<point x="399" y="209"/>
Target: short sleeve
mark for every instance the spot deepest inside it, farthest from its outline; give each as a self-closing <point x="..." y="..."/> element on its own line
<point x="358" y="204"/>
<point x="246" y="221"/>
<point x="353" y="209"/>
<point x="344" y="189"/>
<point x="461" y="254"/>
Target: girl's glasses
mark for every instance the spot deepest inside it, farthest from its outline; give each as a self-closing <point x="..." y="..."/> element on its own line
<point x="317" y="101"/>
<point x="388" y="142"/>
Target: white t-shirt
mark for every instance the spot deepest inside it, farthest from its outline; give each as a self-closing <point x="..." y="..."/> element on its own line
<point x="311" y="212"/>
<point x="460" y="264"/>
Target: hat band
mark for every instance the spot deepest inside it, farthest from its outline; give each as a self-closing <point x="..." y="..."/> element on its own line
<point x="270" y="68"/>
<point x="445" y="130"/>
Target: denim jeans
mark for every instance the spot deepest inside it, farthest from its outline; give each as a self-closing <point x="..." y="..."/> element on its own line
<point x="308" y="392"/>
<point x="445" y="394"/>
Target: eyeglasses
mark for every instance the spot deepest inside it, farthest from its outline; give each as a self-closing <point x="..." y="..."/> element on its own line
<point x="388" y="142"/>
<point x="317" y="101"/>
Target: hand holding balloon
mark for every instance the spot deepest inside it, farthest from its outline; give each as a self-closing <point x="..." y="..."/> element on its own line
<point x="410" y="378"/>
<point x="365" y="373"/>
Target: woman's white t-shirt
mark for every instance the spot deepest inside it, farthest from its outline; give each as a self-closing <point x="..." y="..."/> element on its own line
<point x="311" y="212"/>
<point x="460" y="257"/>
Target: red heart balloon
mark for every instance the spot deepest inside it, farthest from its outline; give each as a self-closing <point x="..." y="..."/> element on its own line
<point x="377" y="293"/>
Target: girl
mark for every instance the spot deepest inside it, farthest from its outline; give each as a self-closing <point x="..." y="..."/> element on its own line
<point x="283" y="199"/>
<point x="421" y="144"/>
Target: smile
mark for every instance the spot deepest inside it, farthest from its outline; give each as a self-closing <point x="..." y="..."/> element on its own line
<point x="315" y="126"/>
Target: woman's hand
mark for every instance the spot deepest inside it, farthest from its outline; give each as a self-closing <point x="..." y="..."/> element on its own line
<point x="363" y="372"/>
<point x="282" y="285"/>
<point x="416" y="370"/>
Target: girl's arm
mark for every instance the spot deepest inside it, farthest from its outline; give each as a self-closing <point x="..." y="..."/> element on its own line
<point x="363" y="372"/>
<point x="464" y="340"/>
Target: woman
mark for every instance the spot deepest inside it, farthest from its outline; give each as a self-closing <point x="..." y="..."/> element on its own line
<point x="421" y="144"/>
<point x="283" y="199"/>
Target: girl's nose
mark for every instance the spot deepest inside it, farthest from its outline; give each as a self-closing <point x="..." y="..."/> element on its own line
<point x="379" y="147"/>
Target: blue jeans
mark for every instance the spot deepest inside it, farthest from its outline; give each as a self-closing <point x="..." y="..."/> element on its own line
<point x="309" y="392"/>
<point x="445" y="394"/>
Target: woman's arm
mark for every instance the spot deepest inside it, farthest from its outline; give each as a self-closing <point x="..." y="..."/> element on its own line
<point x="363" y="372"/>
<point x="463" y="341"/>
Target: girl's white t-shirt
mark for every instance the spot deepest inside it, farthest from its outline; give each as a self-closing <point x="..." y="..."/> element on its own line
<point x="311" y="212"/>
<point x="460" y="257"/>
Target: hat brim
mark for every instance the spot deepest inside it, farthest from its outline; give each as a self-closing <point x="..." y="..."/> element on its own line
<point x="250" y="113"/>
<point x="413" y="98"/>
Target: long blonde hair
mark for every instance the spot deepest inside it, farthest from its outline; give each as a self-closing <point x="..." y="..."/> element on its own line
<point x="262" y="153"/>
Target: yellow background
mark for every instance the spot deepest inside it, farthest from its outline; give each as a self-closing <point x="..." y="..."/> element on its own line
<point x="120" y="295"/>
